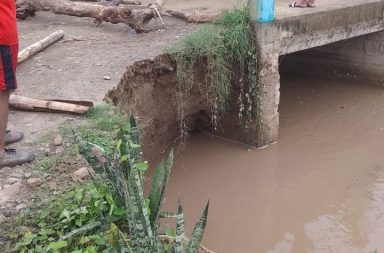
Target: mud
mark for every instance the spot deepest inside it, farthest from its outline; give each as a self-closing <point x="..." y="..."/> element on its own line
<point x="319" y="189"/>
<point x="149" y="90"/>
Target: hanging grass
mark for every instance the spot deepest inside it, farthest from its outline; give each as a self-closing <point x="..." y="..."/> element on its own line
<point x="227" y="50"/>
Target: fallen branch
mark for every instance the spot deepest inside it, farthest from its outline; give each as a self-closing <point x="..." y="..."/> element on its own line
<point x="30" y="104"/>
<point x="39" y="46"/>
<point x="193" y="17"/>
<point x="136" y="18"/>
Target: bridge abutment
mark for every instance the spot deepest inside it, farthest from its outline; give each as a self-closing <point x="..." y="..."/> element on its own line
<point x="297" y="29"/>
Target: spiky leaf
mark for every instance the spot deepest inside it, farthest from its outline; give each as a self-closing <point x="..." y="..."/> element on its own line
<point x="168" y="215"/>
<point x="167" y="173"/>
<point x="154" y="194"/>
<point x="198" y="232"/>
<point x="180" y="231"/>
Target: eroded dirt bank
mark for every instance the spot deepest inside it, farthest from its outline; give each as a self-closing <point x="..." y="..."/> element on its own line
<point x="149" y="90"/>
<point x="320" y="189"/>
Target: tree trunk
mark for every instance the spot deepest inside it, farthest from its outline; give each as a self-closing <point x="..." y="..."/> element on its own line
<point x="136" y="18"/>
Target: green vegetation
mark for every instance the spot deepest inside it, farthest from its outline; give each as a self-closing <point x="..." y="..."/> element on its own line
<point x="110" y="213"/>
<point x="48" y="162"/>
<point x="228" y="51"/>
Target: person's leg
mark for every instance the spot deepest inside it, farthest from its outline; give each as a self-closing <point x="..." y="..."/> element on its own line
<point x="4" y="100"/>
<point x="8" y="64"/>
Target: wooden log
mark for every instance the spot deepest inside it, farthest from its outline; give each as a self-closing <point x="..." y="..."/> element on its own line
<point x="136" y="18"/>
<point x="193" y="17"/>
<point x="125" y="2"/>
<point x="39" y="46"/>
<point x="30" y="104"/>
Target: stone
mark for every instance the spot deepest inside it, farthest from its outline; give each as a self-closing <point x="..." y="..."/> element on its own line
<point x="28" y="175"/>
<point x="59" y="150"/>
<point x="106" y="77"/>
<point x="99" y="155"/>
<point x="34" y="182"/>
<point x="52" y="185"/>
<point x="2" y="218"/>
<point x="91" y="171"/>
<point x="58" y="141"/>
<point x="9" y="191"/>
<point x="12" y="180"/>
<point x="80" y="174"/>
<point x="62" y="169"/>
<point x="19" y="207"/>
<point x="17" y="175"/>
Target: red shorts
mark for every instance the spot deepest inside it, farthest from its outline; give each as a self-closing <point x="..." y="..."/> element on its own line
<point x="8" y="64"/>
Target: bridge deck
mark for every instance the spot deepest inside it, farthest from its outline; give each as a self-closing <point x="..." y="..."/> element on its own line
<point x="297" y="29"/>
<point x="282" y="10"/>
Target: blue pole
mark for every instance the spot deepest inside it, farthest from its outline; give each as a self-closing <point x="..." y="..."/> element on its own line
<point x="265" y="10"/>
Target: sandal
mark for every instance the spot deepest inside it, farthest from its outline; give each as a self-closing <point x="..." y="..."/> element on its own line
<point x="13" y="157"/>
<point x="295" y="5"/>
<point x="13" y="136"/>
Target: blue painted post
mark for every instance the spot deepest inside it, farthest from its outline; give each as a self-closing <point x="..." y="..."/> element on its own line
<point x="265" y="10"/>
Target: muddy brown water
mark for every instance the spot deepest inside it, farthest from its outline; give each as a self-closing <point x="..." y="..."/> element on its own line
<point x="320" y="189"/>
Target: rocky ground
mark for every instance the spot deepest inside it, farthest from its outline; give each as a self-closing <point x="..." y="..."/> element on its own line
<point x="56" y="168"/>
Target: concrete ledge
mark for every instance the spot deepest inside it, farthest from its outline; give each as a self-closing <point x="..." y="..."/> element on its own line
<point x="292" y="34"/>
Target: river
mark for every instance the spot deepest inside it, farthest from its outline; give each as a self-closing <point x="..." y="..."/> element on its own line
<point x="319" y="189"/>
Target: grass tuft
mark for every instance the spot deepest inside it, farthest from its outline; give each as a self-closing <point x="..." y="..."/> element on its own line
<point x="228" y="50"/>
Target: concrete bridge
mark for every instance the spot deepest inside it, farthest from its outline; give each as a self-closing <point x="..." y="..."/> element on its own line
<point x="281" y="30"/>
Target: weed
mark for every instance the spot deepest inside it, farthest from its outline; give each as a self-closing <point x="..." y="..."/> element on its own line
<point x="229" y="53"/>
<point x="46" y="226"/>
<point x="48" y="162"/>
<point x="106" y="118"/>
<point x="100" y="127"/>
<point x="110" y="214"/>
<point x="124" y="172"/>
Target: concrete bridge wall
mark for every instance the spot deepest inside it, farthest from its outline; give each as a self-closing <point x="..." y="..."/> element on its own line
<point x="289" y="34"/>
